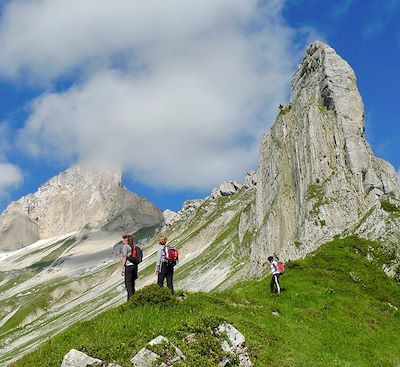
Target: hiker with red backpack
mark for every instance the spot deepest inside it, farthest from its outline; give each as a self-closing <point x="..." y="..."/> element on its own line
<point x="276" y="271"/>
<point x="167" y="257"/>
<point x="131" y="257"/>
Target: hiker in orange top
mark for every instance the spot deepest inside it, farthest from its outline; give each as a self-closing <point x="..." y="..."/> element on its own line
<point x="275" y="286"/>
<point x="129" y="269"/>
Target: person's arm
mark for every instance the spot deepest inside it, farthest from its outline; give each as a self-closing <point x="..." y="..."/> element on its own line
<point x="158" y="261"/>
<point x="123" y="260"/>
<point x="132" y="259"/>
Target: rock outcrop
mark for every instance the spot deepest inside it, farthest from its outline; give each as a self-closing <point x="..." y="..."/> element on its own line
<point x="80" y="196"/>
<point x="226" y="188"/>
<point x="75" y="358"/>
<point x="168" y="354"/>
<point x="147" y="358"/>
<point x="235" y="345"/>
<point x="317" y="175"/>
<point x="188" y="208"/>
<point x="250" y="180"/>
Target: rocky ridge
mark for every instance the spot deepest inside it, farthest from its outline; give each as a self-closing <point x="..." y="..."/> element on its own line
<point x="226" y="188"/>
<point x="80" y="196"/>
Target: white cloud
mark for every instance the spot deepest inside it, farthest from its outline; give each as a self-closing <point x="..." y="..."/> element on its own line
<point x="10" y="176"/>
<point x="45" y="38"/>
<point x="177" y="92"/>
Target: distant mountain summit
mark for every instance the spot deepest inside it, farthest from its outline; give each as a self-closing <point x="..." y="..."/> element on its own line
<point x="317" y="175"/>
<point x="80" y="196"/>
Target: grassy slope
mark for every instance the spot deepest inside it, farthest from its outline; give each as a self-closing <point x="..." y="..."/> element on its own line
<point x="334" y="311"/>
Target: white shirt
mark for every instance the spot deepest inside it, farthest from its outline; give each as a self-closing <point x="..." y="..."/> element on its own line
<point x="274" y="268"/>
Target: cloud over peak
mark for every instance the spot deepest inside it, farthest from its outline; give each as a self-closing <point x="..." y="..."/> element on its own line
<point x="176" y="92"/>
<point x="10" y="176"/>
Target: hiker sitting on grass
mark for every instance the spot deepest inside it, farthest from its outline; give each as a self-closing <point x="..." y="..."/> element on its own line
<point x="275" y="286"/>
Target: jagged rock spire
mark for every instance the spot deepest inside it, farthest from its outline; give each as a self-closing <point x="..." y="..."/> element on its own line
<point x="317" y="174"/>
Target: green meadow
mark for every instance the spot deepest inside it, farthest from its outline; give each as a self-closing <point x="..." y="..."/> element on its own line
<point x="337" y="308"/>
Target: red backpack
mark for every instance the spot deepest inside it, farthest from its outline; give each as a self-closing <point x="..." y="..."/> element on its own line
<point x="137" y="255"/>
<point x="281" y="267"/>
<point x="171" y="255"/>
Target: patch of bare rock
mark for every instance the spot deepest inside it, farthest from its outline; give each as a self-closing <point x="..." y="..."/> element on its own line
<point x="160" y="352"/>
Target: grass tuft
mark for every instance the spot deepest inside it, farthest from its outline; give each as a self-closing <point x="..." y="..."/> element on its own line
<point x="390" y="208"/>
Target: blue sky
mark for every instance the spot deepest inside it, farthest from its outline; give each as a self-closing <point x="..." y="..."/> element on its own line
<point x="175" y="93"/>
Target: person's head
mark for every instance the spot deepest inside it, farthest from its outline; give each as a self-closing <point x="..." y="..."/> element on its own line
<point x="270" y="259"/>
<point x="162" y="240"/>
<point x="127" y="239"/>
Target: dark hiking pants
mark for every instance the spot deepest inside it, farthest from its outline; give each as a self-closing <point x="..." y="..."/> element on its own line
<point x="130" y="278"/>
<point x="167" y="272"/>
<point x="275" y="286"/>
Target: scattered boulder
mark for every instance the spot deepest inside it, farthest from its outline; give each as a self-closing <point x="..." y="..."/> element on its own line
<point x="160" y="352"/>
<point x="235" y="346"/>
<point x="147" y="358"/>
<point x="144" y="358"/>
<point x="75" y="358"/>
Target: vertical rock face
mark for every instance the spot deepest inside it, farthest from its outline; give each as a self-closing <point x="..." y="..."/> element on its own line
<point x="77" y="197"/>
<point x="317" y="175"/>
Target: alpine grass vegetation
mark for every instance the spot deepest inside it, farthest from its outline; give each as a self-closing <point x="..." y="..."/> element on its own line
<point x="337" y="307"/>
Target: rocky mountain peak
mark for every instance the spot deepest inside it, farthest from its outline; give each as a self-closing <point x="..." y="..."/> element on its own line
<point x="80" y="196"/>
<point x="88" y="176"/>
<point x="317" y="174"/>
<point x="326" y="78"/>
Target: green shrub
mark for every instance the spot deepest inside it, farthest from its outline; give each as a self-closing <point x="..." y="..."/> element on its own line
<point x="153" y="295"/>
<point x="283" y="110"/>
<point x="316" y="192"/>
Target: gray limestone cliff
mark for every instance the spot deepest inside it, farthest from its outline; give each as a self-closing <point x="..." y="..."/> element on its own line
<point x="80" y="196"/>
<point x="317" y="175"/>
